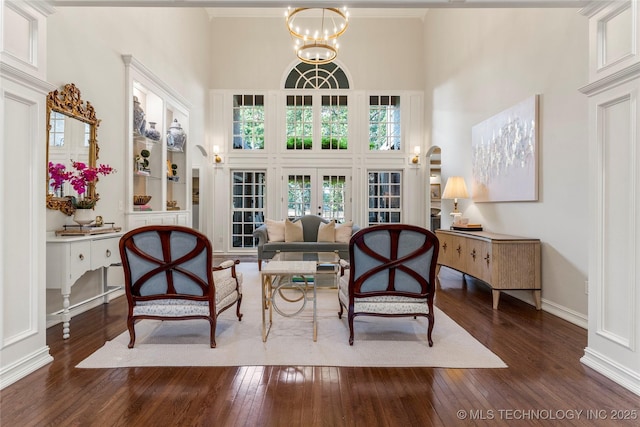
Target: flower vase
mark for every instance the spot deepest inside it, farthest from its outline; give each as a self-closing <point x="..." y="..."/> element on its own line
<point x="83" y="216"/>
<point x="176" y="137"/>
<point x="152" y="132"/>
<point x="138" y="117"/>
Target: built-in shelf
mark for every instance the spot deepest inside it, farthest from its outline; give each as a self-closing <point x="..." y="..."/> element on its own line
<point x="158" y="168"/>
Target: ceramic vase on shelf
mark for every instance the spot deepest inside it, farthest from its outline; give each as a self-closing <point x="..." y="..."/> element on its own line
<point x="152" y="132"/>
<point x="83" y="216"/>
<point x="138" y="117"/>
<point x="176" y="137"/>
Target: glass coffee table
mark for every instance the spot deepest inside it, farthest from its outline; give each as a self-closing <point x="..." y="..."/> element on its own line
<point x="290" y="279"/>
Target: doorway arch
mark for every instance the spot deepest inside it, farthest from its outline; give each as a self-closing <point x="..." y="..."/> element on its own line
<point x="434" y="156"/>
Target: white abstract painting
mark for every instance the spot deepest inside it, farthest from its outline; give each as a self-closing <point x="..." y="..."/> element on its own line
<point x="505" y="155"/>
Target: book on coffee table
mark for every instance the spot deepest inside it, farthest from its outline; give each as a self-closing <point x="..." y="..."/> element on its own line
<point x="467" y="227"/>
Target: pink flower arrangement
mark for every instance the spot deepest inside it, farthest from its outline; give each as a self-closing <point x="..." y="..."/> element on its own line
<point x="80" y="178"/>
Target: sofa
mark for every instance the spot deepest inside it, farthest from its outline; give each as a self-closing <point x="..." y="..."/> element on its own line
<point x="271" y="240"/>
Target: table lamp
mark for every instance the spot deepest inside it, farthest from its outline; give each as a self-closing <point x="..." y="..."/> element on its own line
<point x="455" y="189"/>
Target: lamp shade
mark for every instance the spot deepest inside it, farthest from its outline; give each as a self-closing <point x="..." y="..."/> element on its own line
<point x="455" y="188"/>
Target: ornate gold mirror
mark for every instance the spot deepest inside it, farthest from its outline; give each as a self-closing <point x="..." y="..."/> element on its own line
<point x="72" y="131"/>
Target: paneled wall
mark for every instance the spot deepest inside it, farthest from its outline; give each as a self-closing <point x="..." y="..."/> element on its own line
<point x="614" y="205"/>
<point x="23" y="346"/>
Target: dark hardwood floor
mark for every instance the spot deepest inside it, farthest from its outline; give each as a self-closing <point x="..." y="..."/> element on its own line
<point x="545" y="383"/>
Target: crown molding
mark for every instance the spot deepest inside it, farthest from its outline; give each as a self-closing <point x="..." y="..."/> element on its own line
<point x="16" y="75"/>
<point x="352" y="4"/>
<point x="622" y="76"/>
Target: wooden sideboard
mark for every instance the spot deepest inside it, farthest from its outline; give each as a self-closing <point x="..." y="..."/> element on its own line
<point x="503" y="262"/>
<point x="68" y="258"/>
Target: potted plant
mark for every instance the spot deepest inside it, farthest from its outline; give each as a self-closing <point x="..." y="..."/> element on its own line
<point x="79" y="178"/>
<point x="172" y="171"/>
<point x="142" y="162"/>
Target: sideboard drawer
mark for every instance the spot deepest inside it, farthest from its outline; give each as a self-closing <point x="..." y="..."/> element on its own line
<point x="104" y="252"/>
<point x="79" y="259"/>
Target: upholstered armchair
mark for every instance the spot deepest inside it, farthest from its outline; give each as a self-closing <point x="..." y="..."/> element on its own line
<point x="169" y="275"/>
<point x="391" y="273"/>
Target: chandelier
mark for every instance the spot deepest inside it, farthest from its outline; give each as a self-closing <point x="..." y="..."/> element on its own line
<point x="315" y="32"/>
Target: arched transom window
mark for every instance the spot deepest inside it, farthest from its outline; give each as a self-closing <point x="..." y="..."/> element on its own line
<point x="318" y="98"/>
<point x="324" y="76"/>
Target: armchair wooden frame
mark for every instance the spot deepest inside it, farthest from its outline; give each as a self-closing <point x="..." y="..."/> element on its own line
<point x="397" y="277"/>
<point x="165" y="283"/>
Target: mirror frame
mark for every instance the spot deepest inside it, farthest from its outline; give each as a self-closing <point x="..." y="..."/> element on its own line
<point x="69" y="102"/>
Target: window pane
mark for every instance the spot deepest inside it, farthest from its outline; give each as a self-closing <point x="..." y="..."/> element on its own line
<point x="248" y="188"/>
<point x="333" y="197"/>
<point x="299" y="196"/>
<point x="299" y="116"/>
<point x="384" y="123"/>
<point x="385" y="198"/>
<point x="323" y="76"/>
<point x="248" y="122"/>
<point x="334" y="113"/>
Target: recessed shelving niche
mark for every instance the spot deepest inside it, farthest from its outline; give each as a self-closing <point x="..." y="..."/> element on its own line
<point x="159" y="168"/>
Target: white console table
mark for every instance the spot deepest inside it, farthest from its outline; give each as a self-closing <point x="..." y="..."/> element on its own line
<point x="69" y="257"/>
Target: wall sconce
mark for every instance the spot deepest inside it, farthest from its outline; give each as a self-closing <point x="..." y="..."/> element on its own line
<point x="416" y="155"/>
<point x="216" y="154"/>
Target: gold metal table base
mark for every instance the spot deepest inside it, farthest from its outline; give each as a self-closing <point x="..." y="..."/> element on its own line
<point x="277" y="276"/>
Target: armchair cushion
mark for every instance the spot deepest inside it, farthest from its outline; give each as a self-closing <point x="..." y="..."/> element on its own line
<point x="171" y="308"/>
<point x="384" y="304"/>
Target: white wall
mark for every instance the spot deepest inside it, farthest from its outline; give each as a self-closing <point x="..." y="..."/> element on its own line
<point x="479" y="63"/>
<point x="85" y="47"/>
<point x="255" y="53"/>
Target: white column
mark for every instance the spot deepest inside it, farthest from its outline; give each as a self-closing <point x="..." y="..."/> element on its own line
<point x="23" y="92"/>
<point x="614" y="208"/>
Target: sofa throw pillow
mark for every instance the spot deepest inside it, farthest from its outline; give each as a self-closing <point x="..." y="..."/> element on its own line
<point x="343" y="232"/>
<point x="326" y="232"/>
<point x="275" y="230"/>
<point x="293" y="231"/>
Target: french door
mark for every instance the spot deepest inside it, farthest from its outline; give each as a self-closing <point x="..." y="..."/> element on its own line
<point x="322" y="192"/>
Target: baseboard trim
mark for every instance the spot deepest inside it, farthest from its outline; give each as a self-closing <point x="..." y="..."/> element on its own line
<point x="612" y="370"/>
<point x="565" y="313"/>
<point x="25" y="366"/>
<point x="558" y="310"/>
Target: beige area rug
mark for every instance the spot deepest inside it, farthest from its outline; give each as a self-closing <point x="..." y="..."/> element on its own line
<point x="379" y="342"/>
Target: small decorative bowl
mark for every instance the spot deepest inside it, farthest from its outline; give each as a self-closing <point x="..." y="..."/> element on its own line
<point x="172" y="203"/>
<point x="141" y="200"/>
